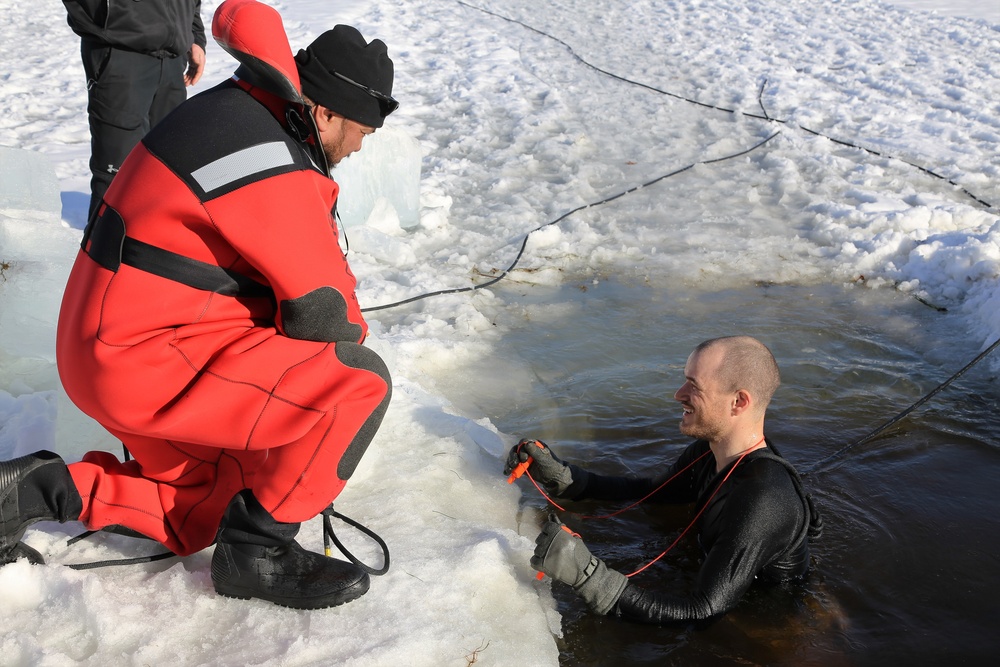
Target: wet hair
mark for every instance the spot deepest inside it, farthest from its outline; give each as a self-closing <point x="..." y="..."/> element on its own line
<point x="746" y="364"/>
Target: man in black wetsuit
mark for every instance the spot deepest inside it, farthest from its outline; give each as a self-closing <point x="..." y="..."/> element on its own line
<point x="752" y="515"/>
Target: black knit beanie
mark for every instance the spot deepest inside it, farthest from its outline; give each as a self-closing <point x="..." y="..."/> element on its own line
<point x="344" y="52"/>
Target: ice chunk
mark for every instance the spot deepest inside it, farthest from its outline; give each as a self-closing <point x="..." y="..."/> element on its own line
<point x="36" y="253"/>
<point x="386" y="171"/>
<point x="28" y="181"/>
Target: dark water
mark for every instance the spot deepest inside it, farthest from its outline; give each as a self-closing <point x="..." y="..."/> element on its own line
<point x="907" y="570"/>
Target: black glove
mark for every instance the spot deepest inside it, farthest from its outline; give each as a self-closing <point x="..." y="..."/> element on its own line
<point x="546" y="469"/>
<point x="562" y="555"/>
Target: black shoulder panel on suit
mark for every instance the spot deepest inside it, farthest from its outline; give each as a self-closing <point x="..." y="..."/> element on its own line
<point x="224" y="139"/>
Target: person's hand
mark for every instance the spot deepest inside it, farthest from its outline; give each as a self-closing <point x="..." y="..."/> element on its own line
<point x="561" y="554"/>
<point x="546" y="469"/>
<point x="518" y="455"/>
<point x="196" y="65"/>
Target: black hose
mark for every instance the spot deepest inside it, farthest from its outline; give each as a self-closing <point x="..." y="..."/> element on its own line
<point x="818" y="466"/>
<point x="524" y="241"/>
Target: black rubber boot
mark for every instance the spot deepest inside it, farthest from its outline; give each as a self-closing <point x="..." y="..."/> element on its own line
<point x="258" y="557"/>
<point x="36" y="487"/>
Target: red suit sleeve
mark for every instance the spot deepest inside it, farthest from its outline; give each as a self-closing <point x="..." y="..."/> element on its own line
<point x="284" y="228"/>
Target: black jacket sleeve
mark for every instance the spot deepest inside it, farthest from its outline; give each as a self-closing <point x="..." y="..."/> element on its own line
<point x="154" y="27"/>
<point x="198" y="27"/>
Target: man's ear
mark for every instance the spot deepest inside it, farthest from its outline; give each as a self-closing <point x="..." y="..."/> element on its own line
<point x="742" y="401"/>
<point x="324" y="117"/>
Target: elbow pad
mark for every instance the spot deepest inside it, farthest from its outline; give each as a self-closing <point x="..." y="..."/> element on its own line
<point x="320" y="315"/>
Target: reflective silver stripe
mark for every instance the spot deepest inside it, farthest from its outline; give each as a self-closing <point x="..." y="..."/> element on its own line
<point x="241" y="164"/>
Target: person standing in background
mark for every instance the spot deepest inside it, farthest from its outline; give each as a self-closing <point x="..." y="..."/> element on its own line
<point x="139" y="57"/>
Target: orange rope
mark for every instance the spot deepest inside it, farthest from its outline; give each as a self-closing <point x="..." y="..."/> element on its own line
<point x="698" y="515"/>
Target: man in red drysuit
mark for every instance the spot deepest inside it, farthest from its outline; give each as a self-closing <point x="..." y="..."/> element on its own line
<point x="210" y="323"/>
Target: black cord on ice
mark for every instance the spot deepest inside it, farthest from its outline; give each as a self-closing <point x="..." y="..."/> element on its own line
<point x="524" y="241"/>
<point x="118" y="561"/>
<point x="825" y="461"/>
<point x="604" y="71"/>
<point x="760" y="101"/>
<point x="765" y="117"/>
<point x="926" y="170"/>
<point x="121" y="561"/>
<point x="329" y="535"/>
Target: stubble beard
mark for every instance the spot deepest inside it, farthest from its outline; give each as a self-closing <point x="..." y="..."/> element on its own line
<point x="333" y="157"/>
<point x="334" y="151"/>
<point x="700" y="431"/>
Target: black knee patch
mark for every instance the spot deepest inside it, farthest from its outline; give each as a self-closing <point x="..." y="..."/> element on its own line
<point x="358" y="356"/>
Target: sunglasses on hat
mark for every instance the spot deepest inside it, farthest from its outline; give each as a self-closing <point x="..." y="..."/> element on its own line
<point x="386" y="103"/>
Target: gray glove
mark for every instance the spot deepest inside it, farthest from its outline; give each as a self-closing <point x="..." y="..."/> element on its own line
<point x="562" y="555"/>
<point x="546" y="469"/>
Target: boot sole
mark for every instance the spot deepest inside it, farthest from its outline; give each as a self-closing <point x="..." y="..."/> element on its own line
<point x="12" y="526"/>
<point x="12" y="548"/>
<point x="343" y="596"/>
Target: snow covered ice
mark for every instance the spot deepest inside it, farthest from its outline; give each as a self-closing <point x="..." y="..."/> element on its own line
<point x="506" y="130"/>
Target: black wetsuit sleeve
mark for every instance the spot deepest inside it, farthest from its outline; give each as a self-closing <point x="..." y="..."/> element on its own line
<point x="683" y="489"/>
<point x="761" y="516"/>
<point x="608" y="487"/>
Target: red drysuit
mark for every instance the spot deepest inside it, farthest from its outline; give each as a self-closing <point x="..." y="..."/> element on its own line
<point x="254" y="377"/>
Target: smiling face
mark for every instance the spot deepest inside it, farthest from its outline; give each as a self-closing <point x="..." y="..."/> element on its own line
<point x="707" y="405"/>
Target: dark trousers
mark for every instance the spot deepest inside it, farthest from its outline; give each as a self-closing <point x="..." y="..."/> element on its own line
<point x="128" y="93"/>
